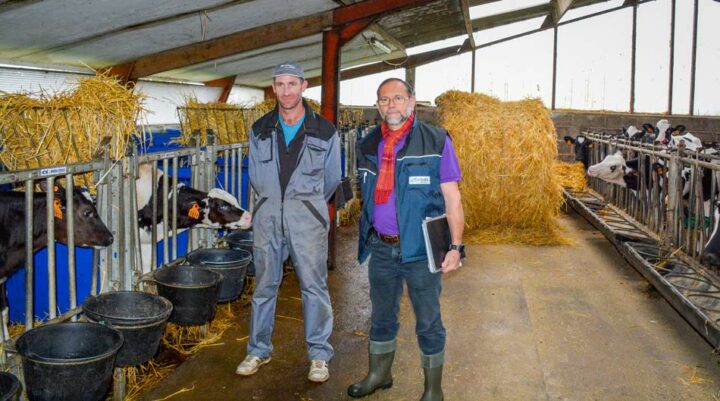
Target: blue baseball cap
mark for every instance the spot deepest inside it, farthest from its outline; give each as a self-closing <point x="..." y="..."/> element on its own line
<point x="289" y="68"/>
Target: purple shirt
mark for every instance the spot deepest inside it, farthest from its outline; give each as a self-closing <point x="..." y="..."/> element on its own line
<point x="385" y="215"/>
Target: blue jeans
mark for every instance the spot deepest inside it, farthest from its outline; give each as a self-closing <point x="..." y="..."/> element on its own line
<point x="386" y="274"/>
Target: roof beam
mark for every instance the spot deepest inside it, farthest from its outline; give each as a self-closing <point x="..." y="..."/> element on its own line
<point x="440" y="54"/>
<point x="262" y="36"/>
<point x="389" y="65"/>
<point x="559" y="7"/>
<point x="511" y="16"/>
<point x="226" y="84"/>
<point x="465" y="6"/>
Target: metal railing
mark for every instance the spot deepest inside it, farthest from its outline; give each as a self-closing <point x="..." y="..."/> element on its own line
<point x="676" y="193"/>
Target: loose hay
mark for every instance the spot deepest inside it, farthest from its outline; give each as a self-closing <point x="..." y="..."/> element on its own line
<point x="231" y="123"/>
<point x="570" y="175"/>
<point x="40" y="130"/>
<point x="507" y="151"/>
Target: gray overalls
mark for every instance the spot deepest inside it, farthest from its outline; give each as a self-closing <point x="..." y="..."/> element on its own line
<point x="296" y="225"/>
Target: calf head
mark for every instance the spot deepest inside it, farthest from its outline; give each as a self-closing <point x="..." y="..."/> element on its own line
<point x="214" y="209"/>
<point x="89" y="229"/>
<point x="582" y="148"/>
<point x="611" y="169"/>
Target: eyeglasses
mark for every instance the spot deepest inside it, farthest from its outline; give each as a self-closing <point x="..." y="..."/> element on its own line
<point x="384" y="101"/>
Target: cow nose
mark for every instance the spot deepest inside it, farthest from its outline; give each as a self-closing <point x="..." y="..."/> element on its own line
<point x="246" y="219"/>
<point x="108" y="240"/>
<point x="711" y="259"/>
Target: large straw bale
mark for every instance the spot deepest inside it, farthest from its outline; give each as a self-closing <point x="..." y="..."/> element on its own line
<point x="507" y="153"/>
<point x="232" y="122"/>
<point x="40" y="130"/>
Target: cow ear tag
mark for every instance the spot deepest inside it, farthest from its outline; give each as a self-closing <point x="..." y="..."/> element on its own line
<point x="194" y="211"/>
<point x="58" y="209"/>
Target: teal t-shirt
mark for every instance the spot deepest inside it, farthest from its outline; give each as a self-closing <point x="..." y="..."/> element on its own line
<point x="289" y="131"/>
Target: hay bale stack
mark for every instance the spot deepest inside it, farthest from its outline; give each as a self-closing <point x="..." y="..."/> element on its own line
<point x="231" y="123"/>
<point x="40" y="130"/>
<point x="507" y="152"/>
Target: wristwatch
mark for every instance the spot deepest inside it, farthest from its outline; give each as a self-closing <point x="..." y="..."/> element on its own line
<point x="460" y="248"/>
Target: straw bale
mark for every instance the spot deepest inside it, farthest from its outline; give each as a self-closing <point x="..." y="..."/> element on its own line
<point x="41" y="130"/>
<point x="571" y="175"/>
<point x="231" y="122"/>
<point x="507" y="152"/>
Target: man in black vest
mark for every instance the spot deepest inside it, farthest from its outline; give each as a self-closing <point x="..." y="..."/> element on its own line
<point x="408" y="172"/>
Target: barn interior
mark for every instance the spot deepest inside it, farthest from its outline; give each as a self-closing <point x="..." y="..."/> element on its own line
<point x="622" y="306"/>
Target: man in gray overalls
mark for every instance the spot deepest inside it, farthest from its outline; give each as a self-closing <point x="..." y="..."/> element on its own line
<point x="294" y="168"/>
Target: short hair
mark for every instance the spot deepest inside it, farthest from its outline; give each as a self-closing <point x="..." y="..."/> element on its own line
<point x="409" y="88"/>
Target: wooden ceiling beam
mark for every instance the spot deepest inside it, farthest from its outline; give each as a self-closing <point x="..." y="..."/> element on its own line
<point x="465" y="6"/>
<point x="262" y="36"/>
<point x="511" y="17"/>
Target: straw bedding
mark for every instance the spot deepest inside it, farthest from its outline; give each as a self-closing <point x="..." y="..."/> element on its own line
<point x="507" y="153"/>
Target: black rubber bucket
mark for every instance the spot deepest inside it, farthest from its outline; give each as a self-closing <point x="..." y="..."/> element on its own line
<point x="9" y="387"/>
<point x="230" y="263"/>
<point x="68" y="361"/>
<point x="242" y="240"/>
<point x="193" y="292"/>
<point x="140" y="317"/>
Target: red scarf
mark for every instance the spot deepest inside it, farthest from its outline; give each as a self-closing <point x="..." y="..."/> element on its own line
<point x="386" y="179"/>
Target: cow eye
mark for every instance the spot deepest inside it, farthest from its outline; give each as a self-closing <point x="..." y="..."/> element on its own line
<point x="224" y="207"/>
<point x="88" y="213"/>
<point x="613" y="168"/>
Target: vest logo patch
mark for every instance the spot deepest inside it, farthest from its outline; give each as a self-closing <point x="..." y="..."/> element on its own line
<point x="419" y="180"/>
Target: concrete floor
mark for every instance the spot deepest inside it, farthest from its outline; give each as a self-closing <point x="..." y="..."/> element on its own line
<point x="524" y="323"/>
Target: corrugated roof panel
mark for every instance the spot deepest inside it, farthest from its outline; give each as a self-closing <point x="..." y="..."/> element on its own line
<point x="132" y="44"/>
<point x="26" y="28"/>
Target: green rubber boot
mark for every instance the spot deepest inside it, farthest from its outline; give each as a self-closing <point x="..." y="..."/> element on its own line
<point x="381" y="355"/>
<point x="432" y="367"/>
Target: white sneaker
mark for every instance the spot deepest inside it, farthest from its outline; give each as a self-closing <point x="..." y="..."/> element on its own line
<point x="250" y="365"/>
<point x="319" y="372"/>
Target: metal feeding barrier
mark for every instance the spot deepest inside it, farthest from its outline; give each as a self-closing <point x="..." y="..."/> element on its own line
<point x="661" y="222"/>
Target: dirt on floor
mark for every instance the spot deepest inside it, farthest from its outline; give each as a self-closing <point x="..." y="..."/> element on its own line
<point x="524" y="323"/>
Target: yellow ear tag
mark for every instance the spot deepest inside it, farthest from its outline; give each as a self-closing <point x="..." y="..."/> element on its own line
<point x="194" y="211"/>
<point x="58" y="209"/>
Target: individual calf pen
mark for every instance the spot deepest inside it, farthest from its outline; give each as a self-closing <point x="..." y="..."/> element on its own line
<point x="657" y="205"/>
<point x="119" y="265"/>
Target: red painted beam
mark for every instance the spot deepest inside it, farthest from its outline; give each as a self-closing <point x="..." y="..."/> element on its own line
<point x="226" y="84"/>
<point x="330" y="75"/>
<point x="371" y="8"/>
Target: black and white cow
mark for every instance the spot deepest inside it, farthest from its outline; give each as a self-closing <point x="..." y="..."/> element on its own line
<point x="616" y="170"/>
<point x="89" y="229"/>
<point x="711" y="252"/>
<point x="215" y="209"/>
<point x="582" y="148"/>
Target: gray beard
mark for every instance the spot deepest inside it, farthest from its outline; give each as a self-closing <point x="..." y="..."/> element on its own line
<point x="399" y="120"/>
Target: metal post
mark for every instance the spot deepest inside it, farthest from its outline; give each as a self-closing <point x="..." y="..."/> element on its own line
<point x="633" y="58"/>
<point x="51" y="274"/>
<point x="672" y="58"/>
<point x="69" y="208"/>
<point x="29" y="252"/>
<point x="174" y="208"/>
<point x="554" y="69"/>
<point x="693" y="64"/>
<point x="166" y="211"/>
<point x="472" y="76"/>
